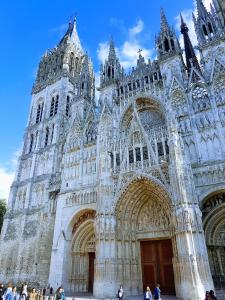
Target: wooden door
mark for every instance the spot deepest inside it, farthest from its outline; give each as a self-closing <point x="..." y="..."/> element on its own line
<point x="157" y="267"/>
<point x="91" y="271"/>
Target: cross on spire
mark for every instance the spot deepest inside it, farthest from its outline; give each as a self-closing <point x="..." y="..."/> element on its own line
<point x="139" y="52"/>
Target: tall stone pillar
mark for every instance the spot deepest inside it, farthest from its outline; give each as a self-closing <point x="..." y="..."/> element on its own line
<point x="105" y="284"/>
<point x="191" y="265"/>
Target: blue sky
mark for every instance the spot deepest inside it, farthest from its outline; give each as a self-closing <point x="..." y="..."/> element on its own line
<point x="28" y="28"/>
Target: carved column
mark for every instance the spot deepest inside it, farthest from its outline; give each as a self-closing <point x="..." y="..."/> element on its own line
<point x="193" y="276"/>
<point x="105" y="262"/>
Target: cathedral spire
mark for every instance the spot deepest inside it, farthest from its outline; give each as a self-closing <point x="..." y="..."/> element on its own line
<point x="191" y="58"/>
<point x="166" y="42"/>
<point x="202" y="12"/>
<point x="111" y="69"/>
<point x="163" y="21"/>
<point x="71" y="36"/>
<point x="112" y="51"/>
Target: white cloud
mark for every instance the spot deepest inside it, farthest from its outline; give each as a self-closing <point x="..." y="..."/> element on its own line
<point x="207" y="3"/>
<point x="7" y="174"/>
<point x="127" y="52"/>
<point x="103" y="51"/>
<point x="138" y="28"/>
<point x="6" y="179"/>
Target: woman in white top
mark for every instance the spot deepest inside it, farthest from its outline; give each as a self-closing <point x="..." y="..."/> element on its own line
<point x="120" y="293"/>
<point x="148" y="294"/>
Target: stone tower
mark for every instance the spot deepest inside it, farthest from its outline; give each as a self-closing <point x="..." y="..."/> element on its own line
<point x="130" y="190"/>
<point x="64" y="82"/>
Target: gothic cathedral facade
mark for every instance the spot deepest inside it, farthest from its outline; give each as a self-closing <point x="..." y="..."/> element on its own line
<point x="128" y="189"/>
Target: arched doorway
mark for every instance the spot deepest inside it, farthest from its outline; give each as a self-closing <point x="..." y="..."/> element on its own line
<point x="213" y="210"/>
<point x="145" y="240"/>
<point x="83" y="253"/>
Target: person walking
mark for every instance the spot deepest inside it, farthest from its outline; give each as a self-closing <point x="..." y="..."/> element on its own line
<point x="148" y="294"/>
<point x="59" y="294"/>
<point x="51" y="291"/>
<point x="208" y="296"/>
<point x="24" y="293"/>
<point x="44" y="291"/>
<point x="33" y="295"/>
<point x="157" y="292"/>
<point x="2" y="291"/>
<point x="120" y="293"/>
<point x="8" y="295"/>
<point x="212" y="294"/>
<point x="16" y="296"/>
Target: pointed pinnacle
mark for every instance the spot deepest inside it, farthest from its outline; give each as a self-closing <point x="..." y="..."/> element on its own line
<point x="163" y="20"/>
<point x="201" y="8"/>
<point x="183" y="25"/>
<point x="112" y="51"/>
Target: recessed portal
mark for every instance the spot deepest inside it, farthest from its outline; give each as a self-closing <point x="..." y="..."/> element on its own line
<point x="157" y="267"/>
<point x="91" y="271"/>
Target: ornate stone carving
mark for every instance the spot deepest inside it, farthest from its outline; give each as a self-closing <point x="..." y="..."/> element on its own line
<point x="153" y="217"/>
<point x="89" y="215"/>
<point x="30" y="229"/>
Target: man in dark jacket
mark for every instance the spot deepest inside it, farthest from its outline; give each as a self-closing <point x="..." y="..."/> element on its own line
<point x="2" y="291"/>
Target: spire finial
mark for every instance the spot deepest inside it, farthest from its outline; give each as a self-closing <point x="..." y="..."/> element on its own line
<point x="163" y="20"/>
<point x="112" y="51"/>
<point x="201" y="8"/>
<point x="183" y="25"/>
<point x="191" y="59"/>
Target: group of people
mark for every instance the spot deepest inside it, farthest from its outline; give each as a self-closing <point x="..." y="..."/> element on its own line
<point x="12" y="293"/>
<point x="210" y="295"/>
<point x="147" y="294"/>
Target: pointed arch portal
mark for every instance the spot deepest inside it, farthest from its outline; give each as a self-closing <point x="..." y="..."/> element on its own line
<point x="83" y="252"/>
<point x="213" y="210"/>
<point x="145" y="240"/>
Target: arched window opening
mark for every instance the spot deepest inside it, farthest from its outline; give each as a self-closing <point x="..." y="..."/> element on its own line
<point x="52" y="107"/>
<point x="131" y="156"/>
<point x="121" y="90"/>
<point x="160" y="149"/>
<point x="155" y="76"/>
<point x="145" y="152"/>
<point x="146" y="80"/>
<point x="31" y="142"/>
<point x="167" y="147"/>
<point x="56" y="105"/>
<point x="68" y="106"/>
<point x="129" y="86"/>
<point x="138" y="84"/>
<point x="117" y="159"/>
<point x="166" y="45"/>
<point x="46" y="136"/>
<point x="71" y="63"/>
<point x="112" y="72"/>
<point x="172" y="44"/>
<point x="210" y="27"/>
<point x="204" y="30"/>
<point x="52" y="135"/>
<point x="109" y="72"/>
<point x="138" y="154"/>
<point x="42" y="107"/>
<point x="77" y="64"/>
<point x="38" y="115"/>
